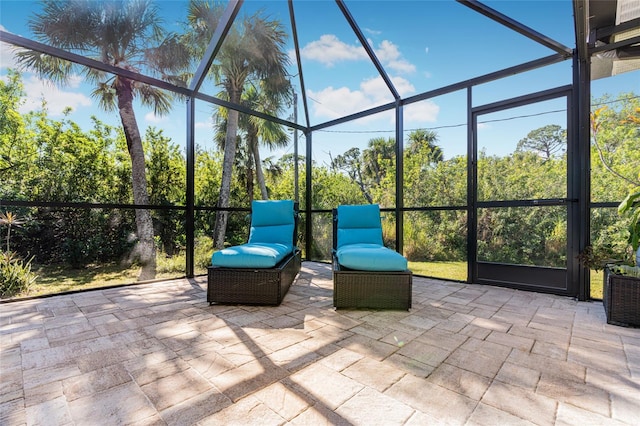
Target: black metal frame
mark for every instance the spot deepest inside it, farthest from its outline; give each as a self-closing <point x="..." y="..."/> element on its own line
<point x="579" y="116"/>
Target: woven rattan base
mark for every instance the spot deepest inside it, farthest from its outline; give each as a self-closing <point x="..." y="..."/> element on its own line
<point x="621" y="299"/>
<point x="240" y="286"/>
<point x="371" y="289"/>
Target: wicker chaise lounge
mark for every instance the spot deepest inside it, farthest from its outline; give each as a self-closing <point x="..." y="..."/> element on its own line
<point x="366" y="274"/>
<point x="261" y="271"/>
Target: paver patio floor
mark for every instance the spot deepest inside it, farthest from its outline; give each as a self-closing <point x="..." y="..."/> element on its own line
<point x="156" y="354"/>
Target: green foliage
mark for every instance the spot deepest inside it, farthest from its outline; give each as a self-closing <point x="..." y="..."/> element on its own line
<point x="55" y="160"/>
<point x="630" y="206"/>
<point x="16" y="276"/>
<point x="547" y="141"/>
<point x="626" y="270"/>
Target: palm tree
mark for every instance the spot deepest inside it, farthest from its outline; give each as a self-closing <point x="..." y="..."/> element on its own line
<point x="377" y="157"/>
<point x="256" y="129"/>
<point x="253" y="51"/>
<point x="423" y="139"/>
<point x="125" y="34"/>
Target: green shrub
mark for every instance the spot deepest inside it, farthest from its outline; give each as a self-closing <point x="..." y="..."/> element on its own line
<point x="629" y="271"/>
<point x="15" y="275"/>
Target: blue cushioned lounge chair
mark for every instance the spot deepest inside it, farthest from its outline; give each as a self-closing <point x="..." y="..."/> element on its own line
<point x="261" y="271"/>
<point x="366" y="274"/>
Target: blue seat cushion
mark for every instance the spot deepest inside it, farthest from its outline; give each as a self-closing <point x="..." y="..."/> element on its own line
<point x="253" y="255"/>
<point x="370" y="257"/>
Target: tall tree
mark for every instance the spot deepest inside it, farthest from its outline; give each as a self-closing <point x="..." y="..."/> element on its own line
<point x="351" y="163"/>
<point x="258" y="130"/>
<point x="423" y="141"/>
<point x="255" y="132"/>
<point x="378" y="157"/>
<point x="125" y="34"/>
<point x="253" y="52"/>
<point x="11" y="123"/>
<point x="546" y="141"/>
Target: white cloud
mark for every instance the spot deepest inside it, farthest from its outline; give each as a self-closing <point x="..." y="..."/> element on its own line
<point x="390" y="55"/>
<point x="150" y="117"/>
<point x="420" y="112"/>
<point x="7" y="57"/>
<point x="329" y="50"/>
<point x="204" y="125"/>
<point x="57" y="100"/>
<point x="331" y="103"/>
<point x="372" y="32"/>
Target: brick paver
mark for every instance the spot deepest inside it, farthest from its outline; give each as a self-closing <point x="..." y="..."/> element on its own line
<point x="463" y="355"/>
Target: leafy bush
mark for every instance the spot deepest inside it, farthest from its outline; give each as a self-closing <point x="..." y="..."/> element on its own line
<point x="629" y="271"/>
<point x="15" y="275"/>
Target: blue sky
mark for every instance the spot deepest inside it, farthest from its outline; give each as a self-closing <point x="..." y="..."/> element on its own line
<point x="423" y="45"/>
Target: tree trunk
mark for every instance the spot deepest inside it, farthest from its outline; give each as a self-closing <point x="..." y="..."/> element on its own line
<point x="255" y="149"/>
<point x="220" y="229"/>
<point x="144" y="251"/>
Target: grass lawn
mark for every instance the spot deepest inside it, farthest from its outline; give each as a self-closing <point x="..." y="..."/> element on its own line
<point x="59" y="279"/>
<point x="458" y="271"/>
<point x="446" y="270"/>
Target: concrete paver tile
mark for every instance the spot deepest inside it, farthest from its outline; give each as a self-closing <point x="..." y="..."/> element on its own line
<point x="341" y="359"/>
<point x="518" y="375"/>
<point x="286" y="402"/>
<point x="460" y="381"/>
<point x="120" y="405"/>
<point x="626" y="406"/>
<point x="552" y="350"/>
<point x="423" y="353"/>
<point x="158" y="354"/>
<point x="248" y="411"/>
<point x="248" y="378"/>
<point x="568" y="415"/>
<point x="319" y="415"/>
<point x="13" y="412"/>
<point x="373" y="408"/>
<point x="574" y="392"/>
<point x="192" y="410"/>
<point x="432" y="399"/>
<point x="479" y="363"/>
<point x="519" y="402"/>
<point x="505" y="339"/>
<point x="486" y="415"/>
<point x="370" y="347"/>
<point x="95" y="381"/>
<point x="442" y="338"/>
<point x="50" y="412"/>
<point x="375" y="374"/>
<point x="294" y="357"/>
<point x="549" y="366"/>
<point x="410" y="365"/>
<point x="323" y="385"/>
<point x="171" y="390"/>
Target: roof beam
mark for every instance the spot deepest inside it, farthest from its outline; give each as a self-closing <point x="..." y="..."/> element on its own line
<point x="226" y="20"/>
<point x="367" y="47"/>
<point x="517" y="26"/>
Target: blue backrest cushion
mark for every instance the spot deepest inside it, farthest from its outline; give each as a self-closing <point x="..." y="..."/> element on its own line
<point x="280" y="234"/>
<point x="272" y="212"/>
<point x="359" y="224"/>
<point x="272" y="221"/>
